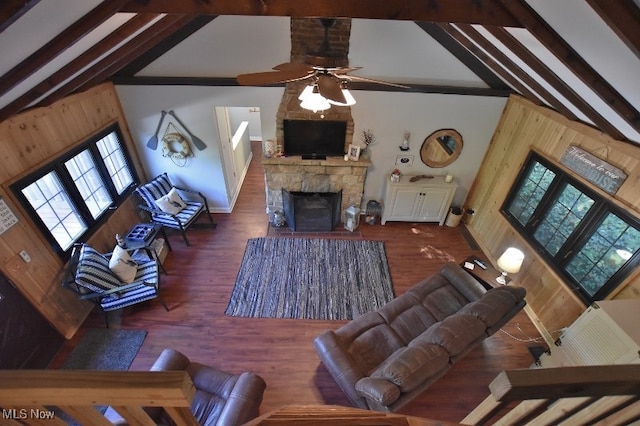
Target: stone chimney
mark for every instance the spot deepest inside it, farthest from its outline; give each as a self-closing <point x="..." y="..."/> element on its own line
<point x="307" y="35"/>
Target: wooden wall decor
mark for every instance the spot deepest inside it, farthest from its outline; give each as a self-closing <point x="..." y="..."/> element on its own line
<point x="523" y="127"/>
<point x="29" y="140"/>
<point x="7" y="218"/>
<point x="597" y="171"/>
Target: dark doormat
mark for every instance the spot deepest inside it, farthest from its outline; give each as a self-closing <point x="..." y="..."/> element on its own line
<point x="105" y="349"/>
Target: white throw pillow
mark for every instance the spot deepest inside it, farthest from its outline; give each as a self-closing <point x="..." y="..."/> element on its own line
<point x="171" y="203"/>
<point x="122" y="265"/>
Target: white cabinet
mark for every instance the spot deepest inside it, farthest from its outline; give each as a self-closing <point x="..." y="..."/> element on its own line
<point x="606" y="333"/>
<point x="426" y="200"/>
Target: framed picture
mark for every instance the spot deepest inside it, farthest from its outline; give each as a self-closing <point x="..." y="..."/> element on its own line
<point x="354" y="152"/>
<point x="404" y="160"/>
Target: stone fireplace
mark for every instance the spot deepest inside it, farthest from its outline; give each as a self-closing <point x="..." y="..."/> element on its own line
<point x="317" y="176"/>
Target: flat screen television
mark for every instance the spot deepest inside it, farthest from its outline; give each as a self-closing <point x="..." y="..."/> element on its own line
<point x="314" y="138"/>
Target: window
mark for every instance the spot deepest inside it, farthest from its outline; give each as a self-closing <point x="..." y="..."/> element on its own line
<point x="592" y="243"/>
<point x="70" y="197"/>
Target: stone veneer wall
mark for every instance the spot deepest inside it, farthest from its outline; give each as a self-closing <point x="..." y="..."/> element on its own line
<point x="293" y="173"/>
<point x="330" y="175"/>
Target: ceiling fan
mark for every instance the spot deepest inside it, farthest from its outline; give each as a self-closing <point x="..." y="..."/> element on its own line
<point x="327" y="69"/>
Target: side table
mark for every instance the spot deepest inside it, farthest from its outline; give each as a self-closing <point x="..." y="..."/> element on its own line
<point x="141" y="235"/>
<point x="485" y="275"/>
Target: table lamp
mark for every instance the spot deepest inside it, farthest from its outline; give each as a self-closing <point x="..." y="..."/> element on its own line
<point x="510" y="262"/>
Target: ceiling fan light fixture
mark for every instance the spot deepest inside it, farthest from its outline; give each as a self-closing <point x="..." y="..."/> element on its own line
<point x="313" y="100"/>
<point x="306" y="92"/>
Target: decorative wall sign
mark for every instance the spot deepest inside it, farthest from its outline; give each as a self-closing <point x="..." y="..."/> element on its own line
<point x="7" y="218"/>
<point x="597" y="171"/>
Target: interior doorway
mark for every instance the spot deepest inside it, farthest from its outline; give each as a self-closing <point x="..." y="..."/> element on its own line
<point x="237" y="127"/>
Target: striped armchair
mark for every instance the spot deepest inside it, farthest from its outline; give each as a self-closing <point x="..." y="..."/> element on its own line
<point x="180" y="219"/>
<point x="88" y="274"/>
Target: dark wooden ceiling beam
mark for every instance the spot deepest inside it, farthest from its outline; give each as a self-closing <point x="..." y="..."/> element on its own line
<point x="572" y="60"/>
<point x="11" y="10"/>
<point x="486" y="12"/>
<point x="540" y="68"/>
<point x="353" y="85"/>
<point x="514" y="69"/>
<point x="119" y="58"/>
<point x="59" y="44"/>
<point x="165" y="45"/>
<point x="623" y="17"/>
<point x="463" y="55"/>
<point x="105" y="45"/>
<point x="491" y="63"/>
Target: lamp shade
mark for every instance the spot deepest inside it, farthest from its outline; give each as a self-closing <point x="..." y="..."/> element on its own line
<point x="511" y="260"/>
<point x="313" y="100"/>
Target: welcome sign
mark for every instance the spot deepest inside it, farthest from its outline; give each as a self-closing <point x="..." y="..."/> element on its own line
<point x="602" y="174"/>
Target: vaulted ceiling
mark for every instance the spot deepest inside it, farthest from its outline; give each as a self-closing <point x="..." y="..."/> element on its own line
<point x="579" y="57"/>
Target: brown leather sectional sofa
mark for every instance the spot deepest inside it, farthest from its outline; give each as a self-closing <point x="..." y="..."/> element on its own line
<point x="384" y="358"/>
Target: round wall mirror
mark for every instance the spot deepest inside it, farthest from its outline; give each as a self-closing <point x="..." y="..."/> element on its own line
<point x="441" y="148"/>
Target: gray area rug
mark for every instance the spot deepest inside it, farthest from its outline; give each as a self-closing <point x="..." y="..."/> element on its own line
<point x="311" y="279"/>
<point x="105" y="349"/>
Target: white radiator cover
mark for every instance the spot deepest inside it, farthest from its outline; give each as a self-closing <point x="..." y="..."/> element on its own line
<point x="608" y="332"/>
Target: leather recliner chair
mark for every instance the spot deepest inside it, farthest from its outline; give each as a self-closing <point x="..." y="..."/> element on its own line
<point x="221" y="399"/>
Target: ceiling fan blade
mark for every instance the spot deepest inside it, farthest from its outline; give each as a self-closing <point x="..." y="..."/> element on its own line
<point x="371" y="80"/>
<point x="294" y="66"/>
<point x="329" y="88"/>
<point x="348" y="69"/>
<point x="273" y="77"/>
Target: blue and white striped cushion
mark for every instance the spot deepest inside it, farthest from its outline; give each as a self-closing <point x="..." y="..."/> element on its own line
<point x="185" y="216"/>
<point x="151" y="191"/>
<point x="130" y="297"/>
<point x="148" y="273"/>
<point x="93" y="271"/>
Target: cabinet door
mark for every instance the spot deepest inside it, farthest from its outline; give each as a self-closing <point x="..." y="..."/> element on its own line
<point x="434" y="204"/>
<point x="403" y="203"/>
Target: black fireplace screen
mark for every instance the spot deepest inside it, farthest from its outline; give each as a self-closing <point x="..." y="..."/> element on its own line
<point x="312" y="211"/>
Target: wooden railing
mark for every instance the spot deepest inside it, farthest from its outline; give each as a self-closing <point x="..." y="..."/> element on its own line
<point x="568" y="395"/>
<point x="27" y="396"/>
<point x="606" y="394"/>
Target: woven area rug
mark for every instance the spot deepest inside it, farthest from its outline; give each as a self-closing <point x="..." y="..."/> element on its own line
<point x="311" y="279"/>
<point x="105" y="349"/>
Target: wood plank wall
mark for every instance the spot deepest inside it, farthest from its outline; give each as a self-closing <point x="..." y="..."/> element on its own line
<point x="30" y="140"/>
<point x="524" y="127"/>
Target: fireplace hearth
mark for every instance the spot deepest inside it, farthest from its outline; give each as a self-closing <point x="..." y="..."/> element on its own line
<point x="312" y="211"/>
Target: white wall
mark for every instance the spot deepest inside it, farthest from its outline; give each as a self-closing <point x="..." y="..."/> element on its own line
<point x="390" y="114"/>
<point x="195" y="108"/>
<point x="387" y="114"/>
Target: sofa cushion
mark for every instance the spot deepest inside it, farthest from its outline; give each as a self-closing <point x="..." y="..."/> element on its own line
<point x="407" y="317"/>
<point x="455" y="333"/>
<point x="410" y="366"/>
<point x="468" y="286"/>
<point x="378" y="389"/>
<point x="495" y="304"/>
<point x="373" y="346"/>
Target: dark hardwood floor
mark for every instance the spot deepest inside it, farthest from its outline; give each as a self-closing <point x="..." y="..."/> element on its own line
<point x="200" y="279"/>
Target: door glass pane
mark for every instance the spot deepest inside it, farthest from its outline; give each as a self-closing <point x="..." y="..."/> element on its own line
<point x="114" y="160"/>
<point x="531" y="191"/>
<point x="606" y="251"/>
<point x="54" y="207"/>
<point x="88" y="181"/>
<point x="562" y="218"/>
